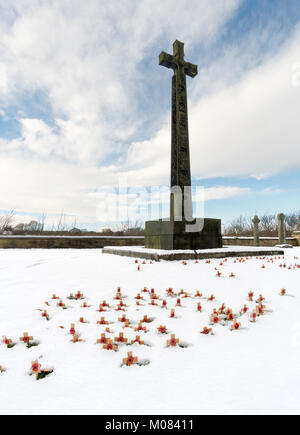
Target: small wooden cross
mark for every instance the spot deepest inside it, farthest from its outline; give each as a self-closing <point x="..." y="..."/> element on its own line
<point x="102" y="340"/>
<point x="46" y="315"/>
<point x="122" y="319"/>
<point x="35" y="368"/>
<point x="26" y="339"/>
<point x="140" y="327"/>
<point x="76" y="339"/>
<point x="81" y="320"/>
<point x="110" y="345"/>
<point x="222" y="309"/>
<point x="172" y="315"/>
<point x="102" y="321"/>
<point x="245" y="309"/>
<point x="137" y="340"/>
<point x="162" y="329"/>
<point x="127" y="324"/>
<point x="235" y="326"/>
<point x="260" y="309"/>
<point x="119" y="308"/>
<point x="178" y="303"/>
<point x="229" y="315"/>
<point x="79" y="295"/>
<point x="206" y="331"/>
<point x="214" y="318"/>
<point x="101" y="309"/>
<point x="198" y="294"/>
<point x="54" y="296"/>
<point x="72" y="329"/>
<point x="173" y="341"/>
<point x="121" y="338"/>
<point x="130" y="359"/>
<point x="146" y="319"/>
<point x="6" y="341"/>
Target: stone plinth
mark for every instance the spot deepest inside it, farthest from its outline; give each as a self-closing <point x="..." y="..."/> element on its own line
<point x="176" y="255"/>
<point x="171" y="235"/>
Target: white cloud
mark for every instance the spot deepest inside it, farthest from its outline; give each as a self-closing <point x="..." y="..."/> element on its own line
<point x="224" y="192"/>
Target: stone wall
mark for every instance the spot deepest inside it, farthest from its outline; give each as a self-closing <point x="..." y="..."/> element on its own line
<point x="264" y="241"/>
<point x="66" y="242"/>
<point x="93" y="242"/>
<point x="296" y="235"/>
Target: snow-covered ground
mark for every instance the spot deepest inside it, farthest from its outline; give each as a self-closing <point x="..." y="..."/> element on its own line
<point x="253" y="370"/>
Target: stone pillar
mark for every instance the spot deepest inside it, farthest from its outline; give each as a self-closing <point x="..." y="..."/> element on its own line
<point x="281" y="229"/>
<point x="256" y="221"/>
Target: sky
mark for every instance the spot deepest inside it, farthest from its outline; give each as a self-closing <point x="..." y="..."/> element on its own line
<point x="85" y="107"/>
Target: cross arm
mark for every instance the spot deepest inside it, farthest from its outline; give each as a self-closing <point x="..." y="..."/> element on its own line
<point x="190" y="69"/>
<point x="167" y="60"/>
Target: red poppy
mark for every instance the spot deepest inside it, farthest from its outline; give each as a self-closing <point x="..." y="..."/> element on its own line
<point x="130" y="360"/>
<point x="35" y="367"/>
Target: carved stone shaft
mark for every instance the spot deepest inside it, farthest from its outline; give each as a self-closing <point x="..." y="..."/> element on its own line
<point x="256" y="222"/>
<point x="281" y="229"/>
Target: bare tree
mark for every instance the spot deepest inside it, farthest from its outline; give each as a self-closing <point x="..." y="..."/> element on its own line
<point x="240" y="226"/>
<point x="6" y="221"/>
<point x="268" y="224"/>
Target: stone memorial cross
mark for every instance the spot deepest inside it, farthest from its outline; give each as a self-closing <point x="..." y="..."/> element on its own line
<point x="180" y="151"/>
